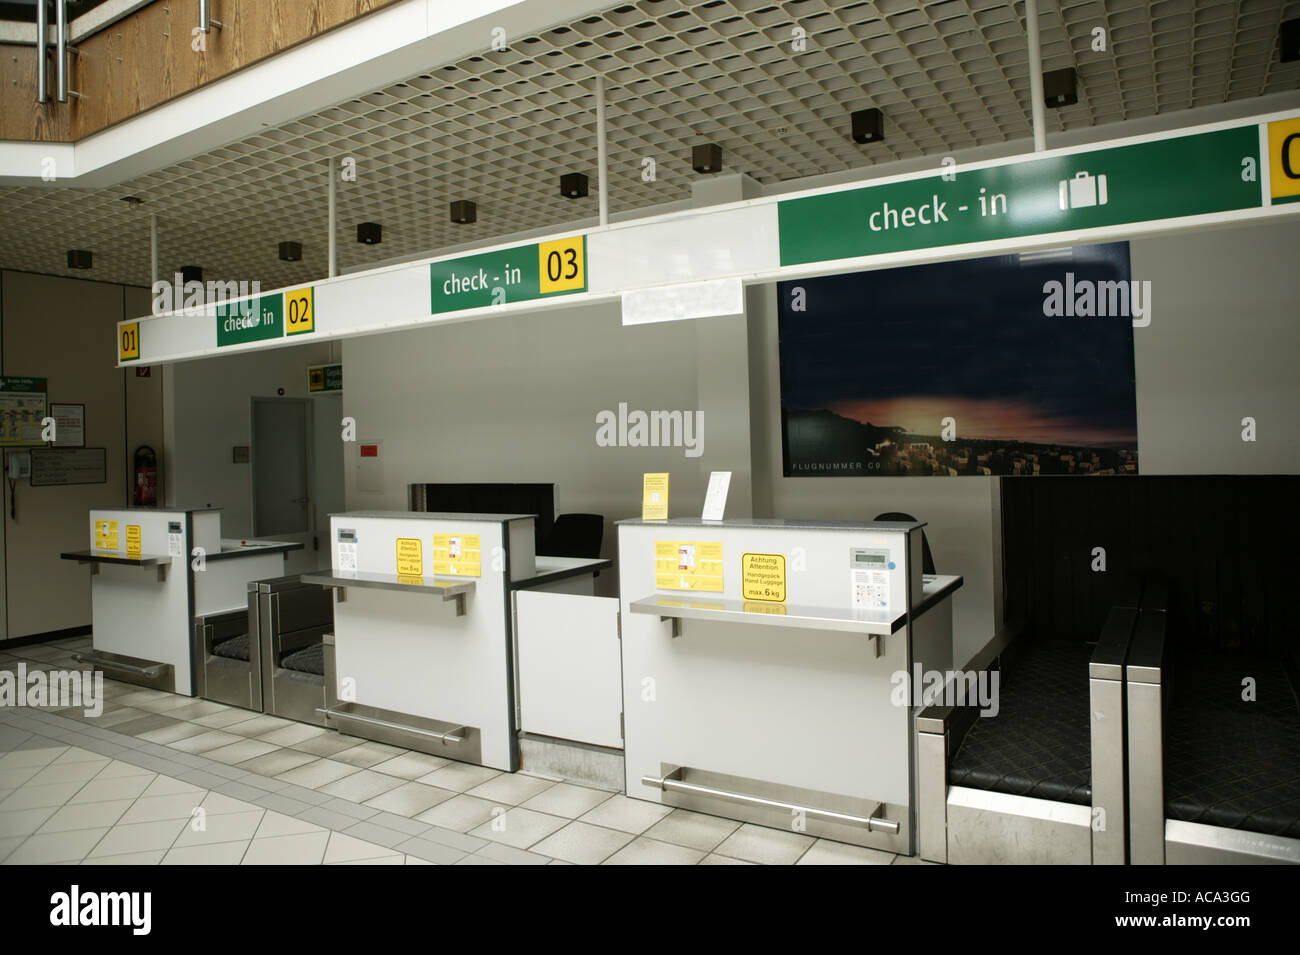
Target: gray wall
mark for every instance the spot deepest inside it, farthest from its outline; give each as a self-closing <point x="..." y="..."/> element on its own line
<point x="1223" y="344"/>
<point x="65" y="330"/>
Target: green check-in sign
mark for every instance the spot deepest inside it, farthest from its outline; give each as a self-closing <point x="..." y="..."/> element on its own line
<point x="1142" y="182"/>
<point x="252" y="320"/>
<point x="519" y="274"/>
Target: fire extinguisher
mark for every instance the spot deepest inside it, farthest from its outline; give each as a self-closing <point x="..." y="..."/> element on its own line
<point x="146" y="477"/>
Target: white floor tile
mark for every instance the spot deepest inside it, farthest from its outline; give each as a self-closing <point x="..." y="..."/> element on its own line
<point x="226" y="827"/>
<point x="218" y="853"/>
<point x="86" y="815"/>
<point x="139" y="837"/>
<point x="645" y="851"/>
<point x="307" y="848"/>
<point x="630" y="815"/>
<point x="517" y="827"/>
<point x="767" y="846"/>
<point x="583" y="844"/>
<point x="825" y="852"/>
<point x="51" y="847"/>
<point x="566" y="799"/>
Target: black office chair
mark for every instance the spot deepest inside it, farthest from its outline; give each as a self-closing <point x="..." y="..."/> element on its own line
<point x="575" y="535"/>
<point x="927" y="559"/>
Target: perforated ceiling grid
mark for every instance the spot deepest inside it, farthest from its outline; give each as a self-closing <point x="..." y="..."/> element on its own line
<point x="501" y="127"/>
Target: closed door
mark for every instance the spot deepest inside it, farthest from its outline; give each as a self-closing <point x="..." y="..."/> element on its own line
<point x="281" y="454"/>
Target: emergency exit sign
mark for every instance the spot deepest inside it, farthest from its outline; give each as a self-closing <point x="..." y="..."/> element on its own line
<point x="1169" y="178"/>
<point x="520" y="274"/>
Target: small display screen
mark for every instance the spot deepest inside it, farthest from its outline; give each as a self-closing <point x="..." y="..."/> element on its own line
<point x="869" y="558"/>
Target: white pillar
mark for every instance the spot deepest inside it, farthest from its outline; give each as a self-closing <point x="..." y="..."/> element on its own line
<point x="1036" y="76"/>
<point x="602" y="159"/>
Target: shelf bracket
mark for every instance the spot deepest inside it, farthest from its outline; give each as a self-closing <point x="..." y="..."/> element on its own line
<point x="676" y="622"/>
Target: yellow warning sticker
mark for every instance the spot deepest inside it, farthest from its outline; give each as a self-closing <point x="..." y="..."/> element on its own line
<point x="457" y="555"/>
<point x="410" y="557"/>
<point x="763" y="576"/>
<point x="105" y="535"/>
<point x="688" y="565"/>
<point x="133" y="541"/>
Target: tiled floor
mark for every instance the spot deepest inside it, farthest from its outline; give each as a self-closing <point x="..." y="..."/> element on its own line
<point x="163" y="779"/>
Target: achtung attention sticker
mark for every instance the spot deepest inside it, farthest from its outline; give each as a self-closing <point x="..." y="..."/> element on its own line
<point x="763" y="576"/>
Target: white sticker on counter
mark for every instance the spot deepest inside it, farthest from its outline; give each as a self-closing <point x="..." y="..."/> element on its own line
<point x="869" y="579"/>
<point x="346" y="550"/>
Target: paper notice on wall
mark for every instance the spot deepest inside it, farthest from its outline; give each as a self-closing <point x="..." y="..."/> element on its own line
<point x="457" y="555"/>
<point x="688" y="565"/>
<point x="410" y="557"/>
<point x="106" y="535"/>
<point x="763" y="576"/>
<point x="654" y="497"/>
<point x="715" y="499"/>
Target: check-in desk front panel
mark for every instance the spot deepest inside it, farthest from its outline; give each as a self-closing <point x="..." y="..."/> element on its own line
<point x="800" y="715"/>
<point x="402" y="654"/>
<point x="153" y="571"/>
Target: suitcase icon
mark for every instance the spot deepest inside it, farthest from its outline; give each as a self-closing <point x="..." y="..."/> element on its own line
<point x="1082" y="191"/>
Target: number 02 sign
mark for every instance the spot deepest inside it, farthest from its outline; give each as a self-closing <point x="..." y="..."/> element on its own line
<point x="299" y="314"/>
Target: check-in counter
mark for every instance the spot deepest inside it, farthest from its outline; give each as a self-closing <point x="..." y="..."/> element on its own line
<point x="421" y="650"/>
<point x="761" y="663"/>
<point x="154" y="573"/>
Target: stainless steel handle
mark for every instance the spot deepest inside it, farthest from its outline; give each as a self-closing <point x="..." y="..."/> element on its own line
<point x="153" y="670"/>
<point x="60" y="49"/>
<point x="446" y="738"/>
<point x="669" y="784"/>
<point x="205" y="17"/>
<point x="42" y="34"/>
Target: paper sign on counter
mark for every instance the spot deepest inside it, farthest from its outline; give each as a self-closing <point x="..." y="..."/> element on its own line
<point x="654" y="498"/>
<point x="688" y="565"/>
<point x="410" y="557"/>
<point x="715" y="499"/>
<point x="457" y="555"/>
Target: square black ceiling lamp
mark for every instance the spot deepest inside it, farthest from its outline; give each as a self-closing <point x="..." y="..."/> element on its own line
<point x="464" y="212"/>
<point x="1288" y="41"/>
<point x="706" y="158"/>
<point x="370" y="233"/>
<point x="290" y="251"/>
<point x="191" y="273"/>
<point x="79" y="258"/>
<point x="868" y="125"/>
<point x="1060" y="88"/>
<point x="573" y="185"/>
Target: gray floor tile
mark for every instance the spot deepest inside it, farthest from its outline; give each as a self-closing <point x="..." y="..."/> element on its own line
<point x="583" y="844"/>
<point x="431" y="851"/>
<point x="645" y="851"/>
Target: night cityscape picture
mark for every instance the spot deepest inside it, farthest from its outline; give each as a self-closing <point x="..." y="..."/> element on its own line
<point x="957" y="368"/>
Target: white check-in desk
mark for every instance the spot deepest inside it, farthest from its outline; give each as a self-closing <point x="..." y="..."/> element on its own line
<point x="423" y="649"/>
<point x="154" y="572"/>
<point x="759" y="662"/>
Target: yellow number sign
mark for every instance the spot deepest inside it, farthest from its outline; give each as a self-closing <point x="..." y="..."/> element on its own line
<point x="561" y="265"/>
<point x="128" y="341"/>
<point x="299" y="314"/>
<point x="1284" y="160"/>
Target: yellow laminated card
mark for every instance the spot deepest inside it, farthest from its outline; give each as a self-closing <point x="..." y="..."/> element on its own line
<point x="105" y="535"/>
<point x="763" y="576"/>
<point x="457" y="555"/>
<point x="688" y="565"/>
<point x="654" y="498"/>
<point x="410" y="557"/>
<point x="133" y="541"/>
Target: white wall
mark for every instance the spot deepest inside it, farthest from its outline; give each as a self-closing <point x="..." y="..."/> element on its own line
<point x="209" y="405"/>
<point x="515" y="399"/>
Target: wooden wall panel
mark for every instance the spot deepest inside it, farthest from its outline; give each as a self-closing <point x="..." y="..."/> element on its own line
<point x="147" y="58"/>
<point x="21" y="117"/>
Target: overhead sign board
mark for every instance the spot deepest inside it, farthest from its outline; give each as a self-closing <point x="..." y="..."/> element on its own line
<point x="1216" y="174"/>
<point x="1142" y="182"/>
<point x="518" y="274"/>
